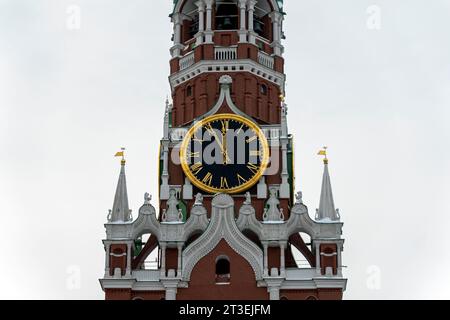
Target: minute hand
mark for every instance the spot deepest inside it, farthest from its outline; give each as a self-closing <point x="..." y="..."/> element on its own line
<point x="213" y="133"/>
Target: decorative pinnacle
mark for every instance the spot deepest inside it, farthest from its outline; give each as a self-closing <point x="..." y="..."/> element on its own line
<point x="121" y="154"/>
<point x="323" y="152"/>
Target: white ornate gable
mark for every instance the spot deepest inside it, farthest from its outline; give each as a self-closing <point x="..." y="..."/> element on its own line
<point x="222" y="226"/>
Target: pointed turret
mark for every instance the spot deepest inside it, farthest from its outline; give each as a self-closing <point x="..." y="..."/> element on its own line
<point x="121" y="211"/>
<point x="327" y="210"/>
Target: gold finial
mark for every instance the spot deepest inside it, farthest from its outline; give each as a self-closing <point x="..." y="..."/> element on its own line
<point x="121" y="154"/>
<point x="323" y="152"/>
<point x="282" y="98"/>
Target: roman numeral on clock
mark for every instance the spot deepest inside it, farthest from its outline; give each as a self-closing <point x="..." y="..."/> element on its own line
<point x="253" y="168"/>
<point x="208" y="179"/>
<point x="224" y="183"/>
<point x="241" y="179"/>
<point x="196" y="168"/>
<point x="256" y="153"/>
<point x="250" y="140"/>
<point x="210" y="129"/>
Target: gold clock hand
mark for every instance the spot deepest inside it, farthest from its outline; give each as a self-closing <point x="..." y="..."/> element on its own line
<point x="224" y="150"/>
<point x="225" y="125"/>
<point x="213" y="133"/>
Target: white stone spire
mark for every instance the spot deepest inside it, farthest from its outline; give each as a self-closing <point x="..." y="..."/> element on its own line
<point x="327" y="211"/>
<point x="121" y="211"/>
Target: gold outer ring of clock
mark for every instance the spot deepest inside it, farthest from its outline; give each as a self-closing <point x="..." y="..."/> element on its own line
<point x="225" y="116"/>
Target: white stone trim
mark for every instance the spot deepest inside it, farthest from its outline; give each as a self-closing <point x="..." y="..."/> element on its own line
<point x="230" y="66"/>
<point x="222" y="226"/>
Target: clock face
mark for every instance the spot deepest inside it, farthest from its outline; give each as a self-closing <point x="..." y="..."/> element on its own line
<point x="224" y="153"/>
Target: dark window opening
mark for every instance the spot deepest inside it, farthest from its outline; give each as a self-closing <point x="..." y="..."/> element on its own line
<point x="259" y="26"/>
<point x="226" y="15"/>
<point x="223" y="271"/>
<point x="263" y="89"/>
<point x="194" y="26"/>
<point x="189" y="91"/>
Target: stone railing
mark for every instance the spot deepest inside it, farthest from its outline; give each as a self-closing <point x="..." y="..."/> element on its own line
<point x="187" y="61"/>
<point x="300" y="274"/>
<point x="225" y="53"/>
<point x="146" y="275"/>
<point x="266" y="60"/>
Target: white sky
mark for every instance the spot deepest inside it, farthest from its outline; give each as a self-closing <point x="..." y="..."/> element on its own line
<point x="70" y="99"/>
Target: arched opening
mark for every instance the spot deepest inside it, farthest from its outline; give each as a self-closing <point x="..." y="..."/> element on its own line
<point x="191" y="20"/>
<point x="311" y="298"/>
<point x="263" y="89"/>
<point x="227" y="14"/>
<point x="223" y="273"/>
<point x="302" y="251"/>
<point x="145" y="253"/>
<point x="189" y="91"/>
<point x="261" y="19"/>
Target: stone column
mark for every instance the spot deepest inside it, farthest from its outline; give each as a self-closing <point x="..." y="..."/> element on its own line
<point x="128" y="272"/>
<point x="282" y="259"/>
<point x="163" y="260"/>
<point x="108" y="259"/>
<point x="274" y="293"/>
<point x="266" y="260"/>
<point x="262" y="188"/>
<point x="171" y="293"/>
<point x="201" y="21"/>
<point x="165" y="188"/>
<point x="318" y="271"/>
<point x="243" y="15"/>
<point x="339" y="259"/>
<point x="285" y="191"/>
<point x="180" y="252"/>
<point x="209" y="33"/>
<point x="251" y="10"/>
<point x="177" y="46"/>
<point x="276" y="21"/>
<point x="187" y="190"/>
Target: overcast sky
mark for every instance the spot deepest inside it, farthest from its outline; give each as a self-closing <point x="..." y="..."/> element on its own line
<point x="378" y="97"/>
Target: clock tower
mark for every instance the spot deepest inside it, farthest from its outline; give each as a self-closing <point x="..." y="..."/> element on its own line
<point x="227" y="222"/>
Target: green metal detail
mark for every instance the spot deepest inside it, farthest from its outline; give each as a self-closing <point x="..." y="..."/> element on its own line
<point x="182" y="205"/>
<point x="138" y="245"/>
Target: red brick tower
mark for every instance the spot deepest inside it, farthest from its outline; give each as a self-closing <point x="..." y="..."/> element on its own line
<point x="228" y="224"/>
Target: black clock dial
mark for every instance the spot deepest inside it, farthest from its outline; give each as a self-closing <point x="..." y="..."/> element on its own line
<point x="226" y="153"/>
